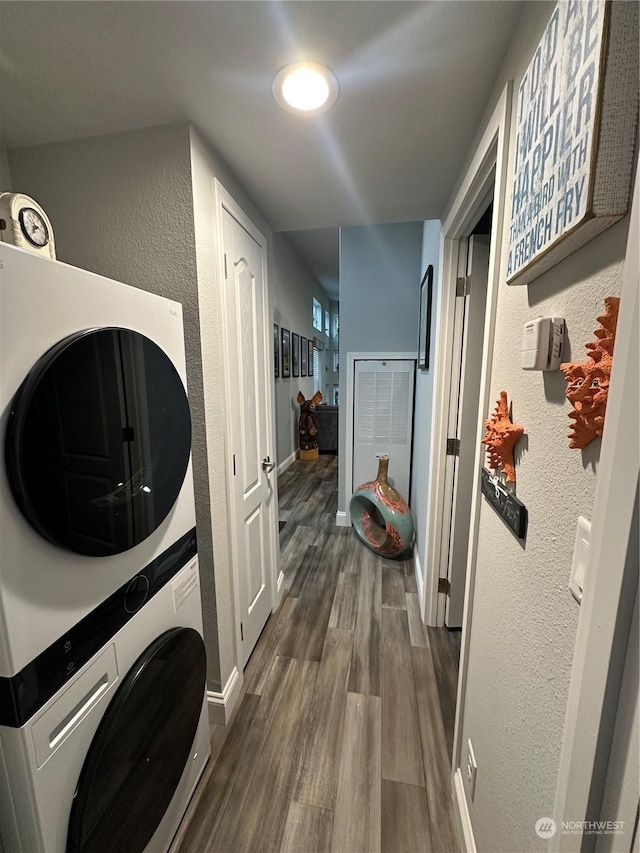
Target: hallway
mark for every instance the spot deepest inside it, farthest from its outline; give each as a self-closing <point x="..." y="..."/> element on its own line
<point x="338" y="742"/>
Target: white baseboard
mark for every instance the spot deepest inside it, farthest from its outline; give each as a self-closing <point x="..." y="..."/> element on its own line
<point x="463" y="818"/>
<point x="221" y="705"/>
<point x="342" y="519"/>
<point x="417" y="568"/>
<point x="288" y="461"/>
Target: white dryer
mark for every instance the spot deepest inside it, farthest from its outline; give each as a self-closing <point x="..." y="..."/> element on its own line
<point x="110" y="761"/>
<point x="97" y="516"/>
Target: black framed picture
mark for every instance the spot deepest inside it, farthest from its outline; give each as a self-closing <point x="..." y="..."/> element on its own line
<point x="286" y="355"/>
<point x="310" y="359"/>
<point x="304" y="356"/>
<point x="276" y="350"/>
<point x="295" y="353"/>
<point x="426" y="299"/>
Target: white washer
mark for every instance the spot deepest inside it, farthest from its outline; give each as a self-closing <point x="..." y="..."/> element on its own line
<point x="112" y="759"/>
<point x="97" y="515"/>
<point x="46" y="588"/>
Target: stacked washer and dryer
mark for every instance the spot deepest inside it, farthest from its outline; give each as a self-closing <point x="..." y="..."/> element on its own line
<point x="103" y="718"/>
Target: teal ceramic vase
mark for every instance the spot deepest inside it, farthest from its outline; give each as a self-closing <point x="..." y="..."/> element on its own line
<point x="380" y="515"/>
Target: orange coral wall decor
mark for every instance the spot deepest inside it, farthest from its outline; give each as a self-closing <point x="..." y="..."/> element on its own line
<point x="588" y="380"/>
<point x="501" y="437"/>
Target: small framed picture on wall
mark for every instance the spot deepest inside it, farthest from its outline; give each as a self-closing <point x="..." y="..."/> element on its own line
<point x="276" y="350"/>
<point x="304" y="356"/>
<point x="295" y="353"/>
<point x="286" y="355"/>
<point x="426" y="299"/>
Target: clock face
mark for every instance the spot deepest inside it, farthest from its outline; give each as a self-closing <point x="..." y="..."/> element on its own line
<point x="33" y="227"/>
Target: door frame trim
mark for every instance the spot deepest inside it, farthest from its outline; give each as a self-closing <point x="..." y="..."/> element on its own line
<point x="488" y="166"/>
<point x="223" y="200"/>
<point x="343" y="518"/>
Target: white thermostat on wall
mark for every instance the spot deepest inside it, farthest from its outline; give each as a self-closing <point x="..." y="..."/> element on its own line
<point x="542" y="341"/>
<point x="24" y="223"/>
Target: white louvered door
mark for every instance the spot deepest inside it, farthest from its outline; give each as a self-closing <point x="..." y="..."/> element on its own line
<point x="383" y="419"/>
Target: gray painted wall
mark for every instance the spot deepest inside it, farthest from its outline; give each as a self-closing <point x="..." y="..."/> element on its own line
<point x="420" y="484"/>
<point x="379" y="302"/>
<point x="5" y="172"/>
<point x="524" y="617"/>
<point x="292" y="292"/>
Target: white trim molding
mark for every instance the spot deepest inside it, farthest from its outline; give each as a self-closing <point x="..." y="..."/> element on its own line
<point x="341" y="519"/>
<point x="488" y="169"/>
<point x="417" y="568"/>
<point x="463" y="818"/>
<point x="286" y="463"/>
<point x="221" y="705"/>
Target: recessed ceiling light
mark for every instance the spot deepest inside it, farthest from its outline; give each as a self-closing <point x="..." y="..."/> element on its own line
<point x="305" y="88"/>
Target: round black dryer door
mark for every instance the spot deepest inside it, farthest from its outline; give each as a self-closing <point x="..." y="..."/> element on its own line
<point x="98" y="441"/>
<point x="140" y="749"/>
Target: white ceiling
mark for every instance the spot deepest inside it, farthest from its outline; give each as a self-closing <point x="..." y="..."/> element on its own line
<point x="414" y="79"/>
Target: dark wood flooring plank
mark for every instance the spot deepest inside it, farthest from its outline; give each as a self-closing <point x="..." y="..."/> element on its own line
<point x="446" y="669"/>
<point x="435" y="755"/>
<point x="353" y="552"/>
<point x="356" y="824"/>
<point x="364" y="676"/>
<point x="410" y="584"/>
<point x="393" y="593"/>
<point x="256" y="821"/>
<point x="401" y="753"/>
<point x="219" y="785"/>
<point x="257" y="671"/>
<point x="345" y="602"/>
<point x="317" y="781"/>
<point x="405" y="820"/>
<point x="418" y="634"/>
<point x="291" y="556"/>
<point x="308" y="830"/>
<point x="306" y="633"/>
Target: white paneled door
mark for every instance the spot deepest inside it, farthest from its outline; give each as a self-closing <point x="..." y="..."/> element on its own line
<point x="383" y="416"/>
<point x="253" y="495"/>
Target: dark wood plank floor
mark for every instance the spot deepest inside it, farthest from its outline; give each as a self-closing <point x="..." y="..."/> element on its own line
<point x="341" y="739"/>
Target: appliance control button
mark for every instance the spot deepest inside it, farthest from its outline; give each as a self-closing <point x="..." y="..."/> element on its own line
<point x="136" y="594"/>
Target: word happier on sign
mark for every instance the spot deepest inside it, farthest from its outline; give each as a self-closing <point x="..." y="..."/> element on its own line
<point x="556" y="115"/>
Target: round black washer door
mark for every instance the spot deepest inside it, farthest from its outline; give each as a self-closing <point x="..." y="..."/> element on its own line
<point x="141" y="748"/>
<point x="98" y="441"/>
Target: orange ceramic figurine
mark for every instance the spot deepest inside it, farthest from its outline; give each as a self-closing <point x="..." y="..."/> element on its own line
<point x="589" y="380"/>
<point x="501" y="437"/>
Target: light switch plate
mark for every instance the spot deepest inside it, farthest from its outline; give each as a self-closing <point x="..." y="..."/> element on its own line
<point x="580" y="558"/>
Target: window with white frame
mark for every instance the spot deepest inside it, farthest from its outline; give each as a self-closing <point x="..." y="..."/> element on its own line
<point x="327" y="323"/>
<point x="317" y="315"/>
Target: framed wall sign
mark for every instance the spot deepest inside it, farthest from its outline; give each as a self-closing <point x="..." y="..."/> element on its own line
<point x="286" y="355"/>
<point x="426" y="298"/>
<point x="576" y="118"/>
<point x="276" y="350"/>
<point x="310" y="359"/>
<point x="304" y="356"/>
<point x="295" y="353"/>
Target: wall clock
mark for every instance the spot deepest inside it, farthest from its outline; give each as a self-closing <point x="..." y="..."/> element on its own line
<point x="24" y="223"/>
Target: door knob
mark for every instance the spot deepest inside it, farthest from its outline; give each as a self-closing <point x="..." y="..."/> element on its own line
<point x="268" y="465"/>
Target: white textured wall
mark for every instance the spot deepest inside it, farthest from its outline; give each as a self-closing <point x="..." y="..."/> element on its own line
<point x="524" y="617"/>
<point x="292" y="292"/>
<point x="422" y="419"/>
